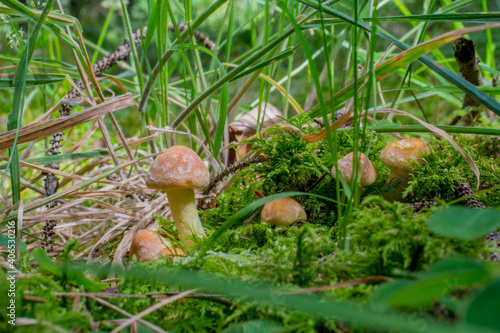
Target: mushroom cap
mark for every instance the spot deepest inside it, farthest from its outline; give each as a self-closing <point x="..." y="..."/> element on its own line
<point x="147" y="245"/>
<point x="178" y="167"/>
<point x="283" y="212"/>
<point x="345" y="164"/>
<point x="397" y="155"/>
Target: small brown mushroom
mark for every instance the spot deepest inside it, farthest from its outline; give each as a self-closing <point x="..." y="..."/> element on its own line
<point x="147" y="245"/>
<point x="283" y="212"/>
<point x="345" y="165"/>
<point x="179" y="171"/>
<point x="397" y="157"/>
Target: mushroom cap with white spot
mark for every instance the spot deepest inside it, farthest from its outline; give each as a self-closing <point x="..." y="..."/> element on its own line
<point x="178" y="168"/>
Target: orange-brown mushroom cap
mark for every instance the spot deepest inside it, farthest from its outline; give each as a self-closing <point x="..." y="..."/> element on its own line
<point x="345" y="164"/>
<point x="178" y="167"/>
<point x="398" y="154"/>
<point x="283" y="212"/>
<point x="147" y="245"/>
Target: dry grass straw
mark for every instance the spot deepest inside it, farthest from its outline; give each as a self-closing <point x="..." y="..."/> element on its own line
<point x="44" y="128"/>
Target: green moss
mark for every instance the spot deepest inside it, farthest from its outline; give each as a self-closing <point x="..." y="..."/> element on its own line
<point x="444" y="167"/>
<point x="47" y="308"/>
<point x="395" y="238"/>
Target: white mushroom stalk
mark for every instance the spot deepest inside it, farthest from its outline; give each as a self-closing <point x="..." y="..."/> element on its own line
<point x="179" y="171"/>
<point x="185" y="213"/>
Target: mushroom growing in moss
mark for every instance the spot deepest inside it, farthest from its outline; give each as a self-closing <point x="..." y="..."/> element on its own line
<point x="282" y="212"/>
<point x="346" y="165"/>
<point x="179" y="171"/>
<point x="147" y="245"/>
<point x="397" y="156"/>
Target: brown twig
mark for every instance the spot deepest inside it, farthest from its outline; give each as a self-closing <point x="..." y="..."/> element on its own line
<point x="349" y="283"/>
<point x="232" y="169"/>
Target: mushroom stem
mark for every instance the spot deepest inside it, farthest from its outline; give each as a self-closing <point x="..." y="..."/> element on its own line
<point x="185" y="213"/>
<point x="402" y="177"/>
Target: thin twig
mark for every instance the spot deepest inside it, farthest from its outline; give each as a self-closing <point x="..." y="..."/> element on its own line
<point x="152" y="309"/>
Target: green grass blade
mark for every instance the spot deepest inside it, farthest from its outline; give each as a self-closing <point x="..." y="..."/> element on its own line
<point x="104" y="30"/>
<point x="422" y="129"/>
<point x="16" y="7"/>
<point x="451" y="17"/>
<point x="166" y="56"/>
<point x="342" y="311"/>
<point x="135" y="57"/>
<point x="458" y="81"/>
<point x="32" y="80"/>
<point x="16" y="114"/>
<point x="232" y="74"/>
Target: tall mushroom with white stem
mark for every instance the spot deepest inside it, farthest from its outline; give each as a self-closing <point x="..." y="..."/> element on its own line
<point x="397" y="157"/>
<point x="179" y="171"/>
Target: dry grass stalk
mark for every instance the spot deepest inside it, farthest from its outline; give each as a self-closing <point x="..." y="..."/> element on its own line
<point x="44" y="128"/>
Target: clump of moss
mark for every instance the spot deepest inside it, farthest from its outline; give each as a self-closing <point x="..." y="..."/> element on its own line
<point x="291" y="163"/>
<point x="395" y="238"/>
<point x="43" y="305"/>
<point x="444" y="167"/>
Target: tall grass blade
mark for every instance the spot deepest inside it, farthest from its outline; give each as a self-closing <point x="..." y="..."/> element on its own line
<point x="343" y="311"/>
<point x="458" y="81"/>
<point x="16" y="114"/>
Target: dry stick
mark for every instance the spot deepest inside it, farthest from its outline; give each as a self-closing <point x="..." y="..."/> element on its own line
<point x="152" y="309"/>
<point x="233" y="168"/>
<point x="42" y="129"/>
<point x="468" y="64"/>
<point x="84" y="139"/>
<point x="69" y="190"/>
<point x="84" y="80"/>
<point x="63" y="174"/>
<point x="124" y="141"/>
<point x="209" y="297"/>
<point x="147" y="324"/>
<point x="349" y="283"/>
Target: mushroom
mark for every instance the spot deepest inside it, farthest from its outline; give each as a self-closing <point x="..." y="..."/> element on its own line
<point x="397" y="157"/>
<point x="345" y="165"/>
<point x="282" y="212"/>
<point x="179" y="171"/>
<point x="147" y="245"/>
